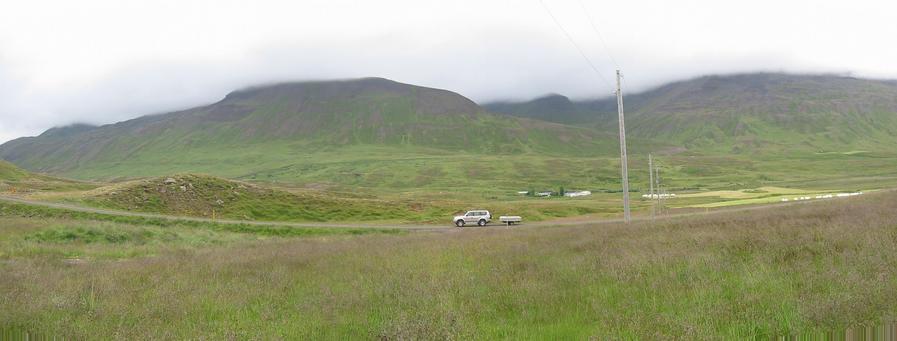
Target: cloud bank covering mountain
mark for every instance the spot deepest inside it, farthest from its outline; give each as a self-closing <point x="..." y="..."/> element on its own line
<point x="102" y="61"/>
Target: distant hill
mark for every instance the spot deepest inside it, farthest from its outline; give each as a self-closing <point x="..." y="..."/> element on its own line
<point x="742" y="112"/>
<point x="551" y="108"/>
<point x="250" y="127"/>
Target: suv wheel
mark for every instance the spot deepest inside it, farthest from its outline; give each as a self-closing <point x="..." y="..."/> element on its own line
<point x="482" y="222"/>
<point x="459" y="223"/>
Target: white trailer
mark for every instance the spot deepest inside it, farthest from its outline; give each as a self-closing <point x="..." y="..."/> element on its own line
<point x="510" y="219"/>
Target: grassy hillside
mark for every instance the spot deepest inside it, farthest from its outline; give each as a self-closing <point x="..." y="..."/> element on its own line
<point x="810" y="271"/>
<point x="747" y="113"/>
<point x="300" y="118"/>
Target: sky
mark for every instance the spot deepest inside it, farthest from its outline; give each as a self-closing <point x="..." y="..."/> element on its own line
<point x="104" y="61"/>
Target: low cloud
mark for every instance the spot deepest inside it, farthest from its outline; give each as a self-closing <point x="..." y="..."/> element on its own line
<point x="496" y="51"/>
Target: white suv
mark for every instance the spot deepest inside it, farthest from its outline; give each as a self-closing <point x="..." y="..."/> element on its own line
<point x="480" y="217"/>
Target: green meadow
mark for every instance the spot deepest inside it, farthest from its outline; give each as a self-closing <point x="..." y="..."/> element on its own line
<point x="410" y="185"/>
<point x="805" y="269"/>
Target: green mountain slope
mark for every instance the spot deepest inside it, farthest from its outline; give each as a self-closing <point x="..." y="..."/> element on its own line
<point x="261" y="129"/>
<point x="747" y="112"/>
<point x="378" y="136"/>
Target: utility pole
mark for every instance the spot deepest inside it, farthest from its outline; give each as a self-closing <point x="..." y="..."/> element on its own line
<point x="623" y="159"/>
<point x="658" y="203"/>
<point x="662" y="200"/>
<point x="651" y="184"/>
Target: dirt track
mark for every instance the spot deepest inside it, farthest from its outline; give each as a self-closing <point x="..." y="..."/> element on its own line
<point x="421" y="227"/>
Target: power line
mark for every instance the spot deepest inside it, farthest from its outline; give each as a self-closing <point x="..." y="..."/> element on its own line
<point x="598" y="32"/>
<point x="573" y="42"/>
<point x="624" y="163"/>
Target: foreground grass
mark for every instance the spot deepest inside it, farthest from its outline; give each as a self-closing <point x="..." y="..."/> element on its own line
<point x="56" y="240"/>
<point x="33" y="231"/>
<point x="789" y="270"/>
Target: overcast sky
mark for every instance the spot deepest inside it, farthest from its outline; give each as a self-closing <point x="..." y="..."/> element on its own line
<point x="103" y="61"/>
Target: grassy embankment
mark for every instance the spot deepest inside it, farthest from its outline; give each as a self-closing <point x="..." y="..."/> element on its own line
<point x="796" y="269"/>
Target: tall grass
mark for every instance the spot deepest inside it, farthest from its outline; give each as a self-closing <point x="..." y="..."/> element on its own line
<point x="798" y="269"/>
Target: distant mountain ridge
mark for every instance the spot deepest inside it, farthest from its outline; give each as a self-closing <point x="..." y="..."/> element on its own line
<point x="553" y="108"/>
<point x="298" y="116"/>
<point x="275" y="129"/>
<point x="68" y="130"/>
<point x="735" y="111"/>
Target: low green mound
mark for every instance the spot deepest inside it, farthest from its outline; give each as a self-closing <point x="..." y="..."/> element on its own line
<point x="212" y="197"/>
<point x="16" y="180"/>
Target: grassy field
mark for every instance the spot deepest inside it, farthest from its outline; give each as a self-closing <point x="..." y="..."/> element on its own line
<point x="211" y="197"/>
<point x="383" y="170"/>
<point x="797" y="269"/>
<point x="754" y="196"/>
<point x="413" y="185"/>
<point x="31" y="231"/>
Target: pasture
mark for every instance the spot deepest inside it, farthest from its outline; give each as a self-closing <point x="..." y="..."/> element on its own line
<point x="790" y="270"/>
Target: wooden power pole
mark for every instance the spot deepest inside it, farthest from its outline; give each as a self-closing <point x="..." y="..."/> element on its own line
<point x="659" y="191"/>
<point x="651" y="184"/>
<point x="623" y="159"/>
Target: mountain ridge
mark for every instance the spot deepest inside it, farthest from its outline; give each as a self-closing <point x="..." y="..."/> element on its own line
<point x="325" y="131"/>
<point x="300" y="116"/>
<point x="741" y="110"/>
